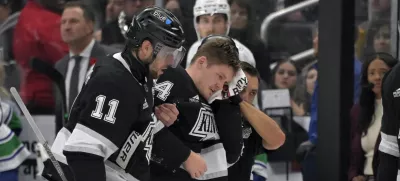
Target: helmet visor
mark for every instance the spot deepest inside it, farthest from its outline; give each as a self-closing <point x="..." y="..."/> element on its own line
<point x="173" y="56"/>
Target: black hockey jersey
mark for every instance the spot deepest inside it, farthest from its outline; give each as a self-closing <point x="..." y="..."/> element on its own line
<point x="113" y="118"/>
<point x="389" y="167"/>
<point x="252" y="147"/>
<point x="196" y="126"/>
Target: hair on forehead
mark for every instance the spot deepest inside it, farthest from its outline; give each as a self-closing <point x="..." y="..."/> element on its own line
<point x="219" y="51"/>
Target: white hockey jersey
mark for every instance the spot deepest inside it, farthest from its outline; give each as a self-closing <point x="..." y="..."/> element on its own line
<point x="244" y="53"/>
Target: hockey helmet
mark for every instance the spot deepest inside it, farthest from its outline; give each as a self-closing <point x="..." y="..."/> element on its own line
<point x="223" y="37"/>
<point x="211" y="7"/>
<point x="162" y="29"/>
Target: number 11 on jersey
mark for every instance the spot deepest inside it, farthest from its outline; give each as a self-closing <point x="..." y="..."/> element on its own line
<point x="98" y="112"/>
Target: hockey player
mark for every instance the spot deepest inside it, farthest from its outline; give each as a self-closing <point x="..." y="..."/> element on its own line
<point x="12" y="151"/>
<point x="259" y="130"/>
<point x="214" y="17"/>
<point x="389" y="168"/>
<point x="198" y="125"/>
<point x="109" y="134"/>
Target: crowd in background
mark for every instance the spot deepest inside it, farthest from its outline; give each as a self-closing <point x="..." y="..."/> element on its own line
<point x="35" y="29"/>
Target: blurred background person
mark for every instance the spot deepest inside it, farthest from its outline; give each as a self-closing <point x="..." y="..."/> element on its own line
<point x="9" y="14"/>
<point x="367" y="117"/>
<point x="301" y="102"/>
<point x="243" y="29"/>
<point x="12" y="151"/>
<point x="379" y="9"/>
<point x="113" y="8"/>
<point x="111" y="33"/>
<point x="37" y="35"/>
<point x="378" y="37"/>
<point x="284" y="75"/>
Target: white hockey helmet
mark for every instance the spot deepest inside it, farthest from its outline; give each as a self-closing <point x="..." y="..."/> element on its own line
<point x="211" y="7"/>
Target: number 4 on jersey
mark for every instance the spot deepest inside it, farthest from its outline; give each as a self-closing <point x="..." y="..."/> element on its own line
<point x="110" y="116"/>
<point x="163" y="89"/>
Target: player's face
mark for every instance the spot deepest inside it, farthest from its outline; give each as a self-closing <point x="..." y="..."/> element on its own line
<point x="215" y="24"/>
<point x="376" y="71"/>
<point x="212" y="78"/>
<point x="159" y="65"/>
<point x="74" y="27"/>
<point x="250" y="92"/>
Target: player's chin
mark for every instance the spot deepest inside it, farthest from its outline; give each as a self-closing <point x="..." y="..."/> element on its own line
<point x="206" y="94"/>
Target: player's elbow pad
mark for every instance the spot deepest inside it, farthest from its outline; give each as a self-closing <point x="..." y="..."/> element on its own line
<point x="229" y="123"/>
<point x="86" y="166"/>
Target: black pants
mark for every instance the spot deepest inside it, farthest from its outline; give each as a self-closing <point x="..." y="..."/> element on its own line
<point x="309" y="166"/>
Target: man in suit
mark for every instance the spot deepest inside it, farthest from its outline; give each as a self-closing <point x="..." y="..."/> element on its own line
<point x="77" y="25"/>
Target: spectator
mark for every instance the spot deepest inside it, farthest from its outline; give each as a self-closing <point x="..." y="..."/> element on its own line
<point x="114" y="7"/>
<point x="111" y="33"/>
<point x="304" y="90"/>
<point x="174" y="7"/>
<point x="284" y="75"/>
<point x="380" y="9"/>
<point x="242" y="29"/>
<point x="308" y="148"/>
<point x="367" y="117"/>
<point x="37" y="35"/>
<point x="378" y="37"/>
<point x="9" y="14"/>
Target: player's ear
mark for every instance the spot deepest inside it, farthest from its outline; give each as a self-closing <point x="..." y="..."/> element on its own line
<point x="201" y="61"/>
<point x="147" y="48"/>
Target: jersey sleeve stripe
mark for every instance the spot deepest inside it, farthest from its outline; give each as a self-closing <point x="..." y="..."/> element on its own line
<point x="389" y="145"/>
<point x="159" y="126"/>
<point x="6" y="113"/>
<point x="84" y="139"/>
<point x="59" y="142"/>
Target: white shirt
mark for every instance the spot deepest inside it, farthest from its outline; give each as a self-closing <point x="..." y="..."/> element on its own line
<point x="244" y="53"/>
<point x="83" y="69"/>
<point x="368" y="141"/>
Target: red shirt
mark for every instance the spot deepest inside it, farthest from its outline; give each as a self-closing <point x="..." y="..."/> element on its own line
<point x="37" y="34"/>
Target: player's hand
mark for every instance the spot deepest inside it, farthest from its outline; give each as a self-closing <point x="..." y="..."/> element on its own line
<point x="359" y="178"/>
<point x="167" y="113"/>
<point x="195" y="165"/>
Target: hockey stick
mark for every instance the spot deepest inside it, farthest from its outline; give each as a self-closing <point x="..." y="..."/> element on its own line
<point x="38" y="134"/>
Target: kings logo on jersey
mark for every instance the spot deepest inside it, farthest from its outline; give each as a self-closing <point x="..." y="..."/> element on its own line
<point x="205" y="126"/>
<point x="133" y="142"/>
